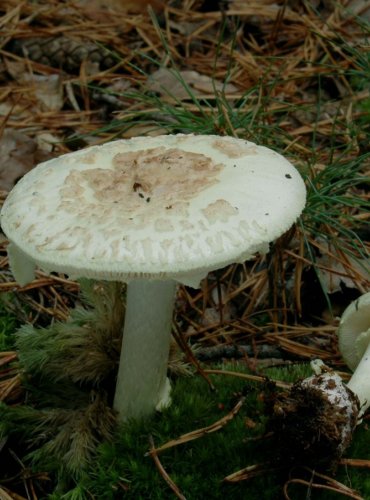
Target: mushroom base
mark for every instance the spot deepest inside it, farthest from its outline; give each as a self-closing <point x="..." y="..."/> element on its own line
<point x="313" y="423"/>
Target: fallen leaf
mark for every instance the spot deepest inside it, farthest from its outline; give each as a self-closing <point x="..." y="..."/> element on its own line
<point x="48" y="90"/>
<point x="131" y="6"/>
<point x="18" y="154"/>
<point x="16" y="69"/>
<point x="334" y="275"/>
<point x="46" y="141"/>
<point x="172" y="84"/>
<point x="358" y="8"/>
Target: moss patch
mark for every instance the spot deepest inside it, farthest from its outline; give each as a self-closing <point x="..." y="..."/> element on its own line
<point x="122" y="469"/>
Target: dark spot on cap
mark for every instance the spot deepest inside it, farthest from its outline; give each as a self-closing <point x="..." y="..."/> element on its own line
<point x="288" y="176"/>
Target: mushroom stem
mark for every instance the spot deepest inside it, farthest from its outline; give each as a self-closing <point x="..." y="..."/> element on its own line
<point x="360" y="380"/>
<point x="142" y="384"/>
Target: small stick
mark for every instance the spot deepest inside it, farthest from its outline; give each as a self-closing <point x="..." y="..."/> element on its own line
<point x="4" y="495"/>
<point x="163" y="472"/>
<point x="332" y="485"/>
<point x="255" y="378"/>
<point x="247" y="473"/>
<point x="7" y="357"/>
<point x="339" y="488"/>
<point x="190" y="355"/>
<point x="190" y="436"/>
<point x="6" y="389"/>
<point x="355" y="462"/>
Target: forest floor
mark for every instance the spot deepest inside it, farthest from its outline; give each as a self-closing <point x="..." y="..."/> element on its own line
<point x="293" y="76"/>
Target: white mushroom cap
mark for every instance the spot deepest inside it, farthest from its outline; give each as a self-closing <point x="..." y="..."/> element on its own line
<point x="354" y="331"/>
<point x="166" y="207"/>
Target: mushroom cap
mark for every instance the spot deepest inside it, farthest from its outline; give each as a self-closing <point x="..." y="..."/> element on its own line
<point x="165" y="207"/>
<point x="354" y="331"/>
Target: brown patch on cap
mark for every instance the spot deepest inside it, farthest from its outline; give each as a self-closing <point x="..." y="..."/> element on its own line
<point x="219" y="211"/>
<point x="233" y="149"/>
<point x="149" y="185"/>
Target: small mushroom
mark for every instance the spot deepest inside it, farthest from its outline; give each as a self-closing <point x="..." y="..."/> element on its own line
<point x="314" y="421"/>
<point x="151" y="212"/>
<point x="335" y="408"/>
<point x="354" y="345"/>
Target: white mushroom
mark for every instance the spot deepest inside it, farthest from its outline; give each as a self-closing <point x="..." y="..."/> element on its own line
<point x="151" y="212"/>
<point x="354" y="344"/>
<point x="336" y="407"/>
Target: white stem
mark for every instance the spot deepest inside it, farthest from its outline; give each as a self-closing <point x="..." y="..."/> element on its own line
<point x="142" y="383"/>
<point x="360" y="381"/>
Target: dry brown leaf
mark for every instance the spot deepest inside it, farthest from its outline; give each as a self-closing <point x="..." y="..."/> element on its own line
<point x="48" y="90"/>
<point x="18" y="154"/>
<point x="16" y="69"/>
<point x="131" y="6"/>
<point x="334" y="274"/>
<point x="46" y="141"/>
<point x="263" y="10"/>
<point x="360" y="8"/>
<point x="339" y="276"/>
<point x="171" y="84"/>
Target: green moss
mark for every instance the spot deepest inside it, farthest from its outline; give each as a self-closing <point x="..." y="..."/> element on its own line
<point x="122" y="469"/>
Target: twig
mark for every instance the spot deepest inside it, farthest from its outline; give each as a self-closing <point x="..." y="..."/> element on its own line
<point x="190" y="355"/>
<point x="7" y="357"/>
<point x="254" y="378"/>
<point x="332" y="485"/>
<point x="248" y="473"/>
<point x="190" y="436"/>
<point x="5" y="494"/>
<point x="163" y="472"/>
<point x="355" y="462"/>
<point x="342" y="490"/>
<point x="9" y="386"/>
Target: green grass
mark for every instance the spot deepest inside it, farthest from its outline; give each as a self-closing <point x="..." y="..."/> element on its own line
<point x="334" y="208"/>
